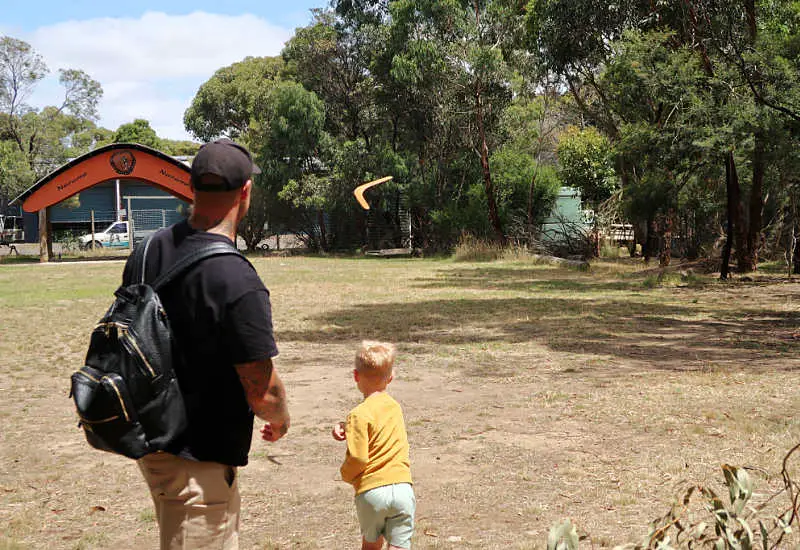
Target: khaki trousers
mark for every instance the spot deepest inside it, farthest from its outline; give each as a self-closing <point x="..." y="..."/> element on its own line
<point x="197" y="503"/>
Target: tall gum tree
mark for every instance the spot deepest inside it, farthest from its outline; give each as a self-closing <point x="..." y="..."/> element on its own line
<point x="40" y="139"/>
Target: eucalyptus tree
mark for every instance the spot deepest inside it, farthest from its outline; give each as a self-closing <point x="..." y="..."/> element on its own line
<point x="277" y="119"/>
<point x="139" y="131"/>
<point x="706" y="86"/>
<point x="232" y="101"/>
<point x="37" y="140"/>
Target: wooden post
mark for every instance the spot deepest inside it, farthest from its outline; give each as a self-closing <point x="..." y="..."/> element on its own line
<point x="92" y="229"/>
<point x="130" y="226"/>
<point x="44" y="250"/>
<point x="49" y="235"/>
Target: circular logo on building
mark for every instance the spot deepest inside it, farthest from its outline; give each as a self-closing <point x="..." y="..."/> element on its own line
<point x="123" y="162"/>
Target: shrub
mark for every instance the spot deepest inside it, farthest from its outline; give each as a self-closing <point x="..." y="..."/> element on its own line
<point x="702" y="519"/>
<point x="472" y="249"/>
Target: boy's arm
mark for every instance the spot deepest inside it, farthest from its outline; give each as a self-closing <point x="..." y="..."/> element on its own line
<point x="357" y="435"/>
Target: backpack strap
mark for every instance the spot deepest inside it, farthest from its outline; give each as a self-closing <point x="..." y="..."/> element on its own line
<point x="143" y="256"/>
<point x="214" y="249"/>
<point x="139" y="259"/>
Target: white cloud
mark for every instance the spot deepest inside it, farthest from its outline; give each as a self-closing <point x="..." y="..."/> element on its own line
<point x="151" y="67"/>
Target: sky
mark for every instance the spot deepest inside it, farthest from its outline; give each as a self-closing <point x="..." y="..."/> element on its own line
<point x="149" y="56"/>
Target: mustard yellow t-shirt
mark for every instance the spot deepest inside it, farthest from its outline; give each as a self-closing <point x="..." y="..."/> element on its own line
<point x="377" y="444"/>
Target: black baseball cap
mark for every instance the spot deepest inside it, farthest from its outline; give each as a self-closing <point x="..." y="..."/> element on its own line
<point x="226" y="159"/>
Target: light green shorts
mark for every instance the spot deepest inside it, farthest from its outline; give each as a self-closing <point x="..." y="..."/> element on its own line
<point x="387" y="511"/>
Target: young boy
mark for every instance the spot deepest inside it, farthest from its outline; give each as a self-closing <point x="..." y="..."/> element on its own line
<point x="377" y="463"/>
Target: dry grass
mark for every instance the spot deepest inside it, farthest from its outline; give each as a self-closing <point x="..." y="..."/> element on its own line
<point x="531" y="393"/>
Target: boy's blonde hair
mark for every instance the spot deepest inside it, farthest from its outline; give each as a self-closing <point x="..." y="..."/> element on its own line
<point x="375" y="359"/>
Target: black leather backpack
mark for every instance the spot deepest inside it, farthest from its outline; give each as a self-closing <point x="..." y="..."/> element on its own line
<point x="127" y="395"/>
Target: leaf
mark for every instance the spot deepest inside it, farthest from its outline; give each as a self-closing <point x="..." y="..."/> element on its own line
<point x="740" y="487"/>
<point x="746" y="538"/>
<point x="764" y="535"/>
<point x="562" y="536"/>
<point x="700" y="529"/>
<point x="664" y="544"/>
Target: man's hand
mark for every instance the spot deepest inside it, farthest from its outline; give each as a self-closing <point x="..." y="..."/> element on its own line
<point x="338" y="432"/>
<point x="272" y="433"/>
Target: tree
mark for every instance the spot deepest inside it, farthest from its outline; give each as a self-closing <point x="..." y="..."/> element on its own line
<point x="331" y="60"/>
<point x="283" y="124"/>
<point x="451" y="51"/>
<point x="179" y="148"/>
<point x="233" y="103"/>
<point x="584" y="158"/>
<point x="293" y="130"/>
<point x="706" y="88"/>
<point x="138" y="131"/>
<point x="44" y="138"/>
<point x="230" y="102"/>
<point x="15" y="172"/>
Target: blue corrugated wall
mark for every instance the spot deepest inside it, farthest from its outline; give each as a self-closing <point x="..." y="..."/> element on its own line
<point x="100" y="198"/>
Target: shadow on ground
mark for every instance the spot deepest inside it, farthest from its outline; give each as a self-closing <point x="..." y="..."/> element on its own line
<point x="616" y="319"/>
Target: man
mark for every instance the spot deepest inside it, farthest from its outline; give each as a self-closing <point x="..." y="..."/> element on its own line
<point x="220" y="316"/>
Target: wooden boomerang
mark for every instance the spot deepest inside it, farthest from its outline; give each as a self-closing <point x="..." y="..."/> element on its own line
<point x="359" y="191"/>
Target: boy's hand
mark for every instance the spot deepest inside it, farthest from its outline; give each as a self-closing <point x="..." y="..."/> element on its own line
<point x="338" y="432"/>
<point x="273" y="433"/>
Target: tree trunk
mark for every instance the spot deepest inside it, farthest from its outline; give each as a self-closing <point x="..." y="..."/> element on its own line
<point x="748" y="253"/>
<point x="793" y="246"/>
<point x="494" y="217"/>
<point x="665" y="252"/>
<point x="797" y="257"/>
<point x="749" y="256"/>
<point x="323" y="237"/>
<point x="639" y="237"/>
<point x="651" y="241"/>
<point x="733" y="208"/>
<point x="531" y="189"/>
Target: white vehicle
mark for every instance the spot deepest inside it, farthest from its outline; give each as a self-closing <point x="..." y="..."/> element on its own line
<point x="11" y="229"/>
<point x="114" y="236"/>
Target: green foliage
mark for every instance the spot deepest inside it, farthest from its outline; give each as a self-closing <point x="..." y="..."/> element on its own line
<point x="584" y="158"/>
<point x="16" y="174"/>
<point x="179" y="148"/>
<point x="701" y="519"/>
<point x="523" y="186"/>
<point x="667" y="279"/>
<point x="35" y="141"/>
<point x="431" y="92"/>
<point x="288" y="147"/>
<point x="330" y="61"/>
<point x="138" y="131"/>
<point x="231" y="102"/>
<point x="562" y="536"/>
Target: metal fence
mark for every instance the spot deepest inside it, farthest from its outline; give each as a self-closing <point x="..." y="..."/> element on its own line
<point x="145" y="221"/>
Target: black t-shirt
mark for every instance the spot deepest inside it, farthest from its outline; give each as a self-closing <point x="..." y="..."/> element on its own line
<point x="220" y="316"/>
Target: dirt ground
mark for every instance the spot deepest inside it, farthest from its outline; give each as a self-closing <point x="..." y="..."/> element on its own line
<point x="531" y="394"/>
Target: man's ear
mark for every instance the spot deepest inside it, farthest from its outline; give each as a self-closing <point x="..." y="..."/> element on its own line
<point x="355" y="375"/>
<point x="246" y="189"/>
